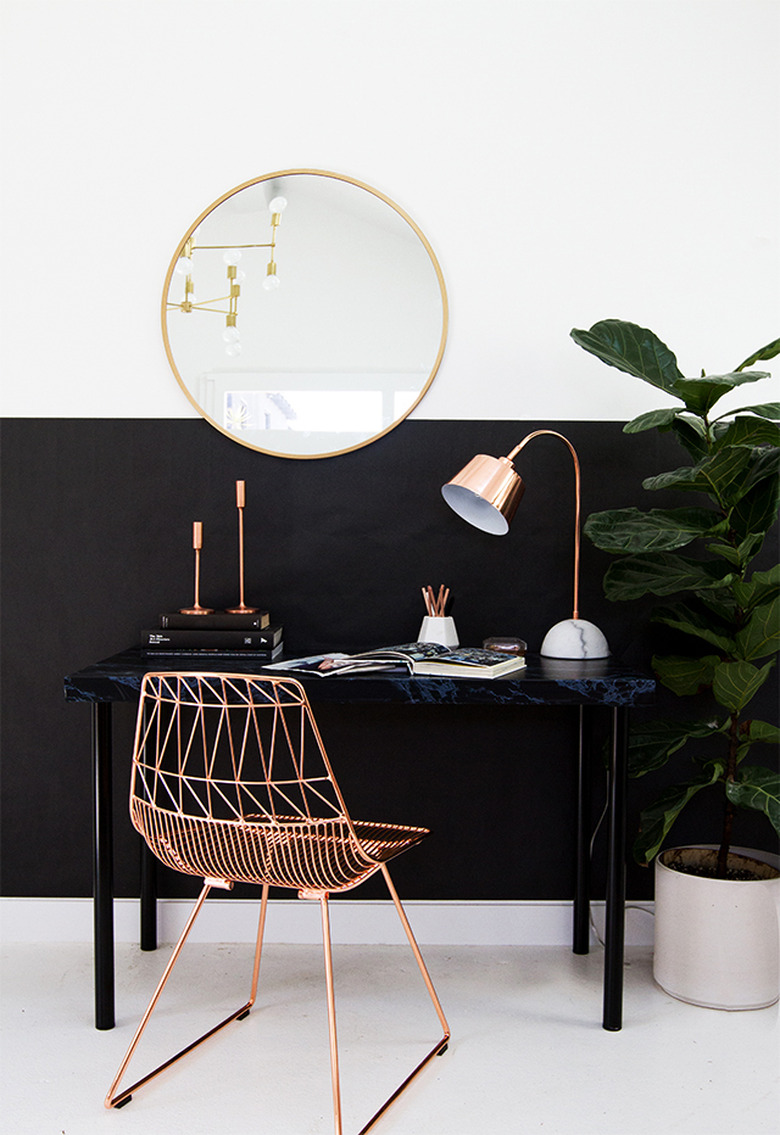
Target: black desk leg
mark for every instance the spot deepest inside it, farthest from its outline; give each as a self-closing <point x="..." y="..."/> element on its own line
<point x="581" y="927"/>
<point x="103" y="865"/>
<point x="148" y="898"/>
<point x="614" y="934"/>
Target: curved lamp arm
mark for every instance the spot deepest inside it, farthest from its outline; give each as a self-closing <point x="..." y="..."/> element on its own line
<point x="577" y="497"/>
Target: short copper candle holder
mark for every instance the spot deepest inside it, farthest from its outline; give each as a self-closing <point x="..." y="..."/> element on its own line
<point x="242" y="608"/>
<point x="197" y="544"/>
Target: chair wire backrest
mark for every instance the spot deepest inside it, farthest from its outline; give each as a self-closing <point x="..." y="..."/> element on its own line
<point x="234" y="748"/>
<point x="231" y="782"/>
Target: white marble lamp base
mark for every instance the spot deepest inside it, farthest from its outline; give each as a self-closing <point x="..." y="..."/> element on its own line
<point x="574" y="638"/>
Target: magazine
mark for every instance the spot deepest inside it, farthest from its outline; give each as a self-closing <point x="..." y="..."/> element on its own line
<point x="418" y="658"/>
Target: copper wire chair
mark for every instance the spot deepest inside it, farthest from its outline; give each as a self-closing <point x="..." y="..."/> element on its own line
<point x="231" y="783"/>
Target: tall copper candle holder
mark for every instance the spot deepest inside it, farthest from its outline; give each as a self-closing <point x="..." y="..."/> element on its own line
<point x="242" y="608"/>
<point x="197" y="544"/>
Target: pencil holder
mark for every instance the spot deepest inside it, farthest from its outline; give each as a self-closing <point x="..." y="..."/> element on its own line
<point x="439" y="628"/>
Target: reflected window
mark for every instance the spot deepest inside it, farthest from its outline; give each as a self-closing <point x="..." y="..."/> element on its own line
<point x="326" y="411"/>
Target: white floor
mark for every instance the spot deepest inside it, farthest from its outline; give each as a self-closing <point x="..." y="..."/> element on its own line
<point x="527" y="1054"/>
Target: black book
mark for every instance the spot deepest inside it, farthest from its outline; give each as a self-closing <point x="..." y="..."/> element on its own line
<point x="261" y="657"/>
<point x="203" y="638"/>
<point x="218" y="621"/>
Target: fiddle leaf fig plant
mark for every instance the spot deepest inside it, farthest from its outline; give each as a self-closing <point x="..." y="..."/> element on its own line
<point x="698" y="559"/>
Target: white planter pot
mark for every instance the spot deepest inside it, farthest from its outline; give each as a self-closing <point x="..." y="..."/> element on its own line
<point x="717" y="941"/>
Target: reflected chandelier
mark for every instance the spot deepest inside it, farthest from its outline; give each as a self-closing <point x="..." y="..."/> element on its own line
<point x="231" y="256"/>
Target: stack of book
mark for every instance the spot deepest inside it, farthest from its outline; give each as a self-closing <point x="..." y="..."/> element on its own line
<point x="251" y="636"/>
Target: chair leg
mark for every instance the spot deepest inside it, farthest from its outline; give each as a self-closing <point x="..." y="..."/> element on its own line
<point x="441" y="1045"/>
<point x="123" y="1097"/>
<point x="419" y="959"/>
<point x="334" y="1049"/>
<point x="258" y="946"/>
<point x="437" y="1050"/>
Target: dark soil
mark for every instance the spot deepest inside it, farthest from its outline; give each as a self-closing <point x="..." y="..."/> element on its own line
<point x="737" y="875"/>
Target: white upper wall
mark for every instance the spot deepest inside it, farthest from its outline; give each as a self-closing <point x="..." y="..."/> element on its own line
<point x="569" y="160"/>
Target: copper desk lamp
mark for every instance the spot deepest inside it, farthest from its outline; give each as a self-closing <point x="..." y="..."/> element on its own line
<point x="486" y="494"/>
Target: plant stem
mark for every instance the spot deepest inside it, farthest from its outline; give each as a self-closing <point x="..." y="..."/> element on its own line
<point x="728" y="815"/>
<point x="723" y="850"/>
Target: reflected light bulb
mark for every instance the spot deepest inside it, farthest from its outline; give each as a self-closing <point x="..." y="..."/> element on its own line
<point x="183" y="266"/>
<point x="233" y="349"/>
<point x="232" y="256"/>
<point x="277" y="204"/>
<point x="271" y="283"/>
<point x="231" y="335"/>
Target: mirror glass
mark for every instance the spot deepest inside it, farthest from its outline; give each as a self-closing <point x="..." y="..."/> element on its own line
<point x="304" y="314"/>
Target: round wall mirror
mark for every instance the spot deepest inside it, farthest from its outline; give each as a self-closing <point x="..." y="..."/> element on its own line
<point x="304" y="314"/>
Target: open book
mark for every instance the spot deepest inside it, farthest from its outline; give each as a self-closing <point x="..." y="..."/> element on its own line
<point x="418" y="658"/>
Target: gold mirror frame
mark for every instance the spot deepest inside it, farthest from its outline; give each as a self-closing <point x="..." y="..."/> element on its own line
<point x="183" y="247"/>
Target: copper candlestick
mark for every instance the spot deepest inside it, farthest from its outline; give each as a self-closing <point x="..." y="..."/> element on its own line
<point x="242" y="608"/>
<point x="197" y="544"/>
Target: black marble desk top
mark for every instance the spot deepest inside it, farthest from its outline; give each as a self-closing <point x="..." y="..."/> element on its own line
<point x="544" y="681"/>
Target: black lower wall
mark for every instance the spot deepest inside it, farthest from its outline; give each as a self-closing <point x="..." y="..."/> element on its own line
<point x="97" y="519"/>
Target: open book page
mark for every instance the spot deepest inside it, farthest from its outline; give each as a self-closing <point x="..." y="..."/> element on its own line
<point x="323" y="665"/>
<point x="384" y="658"/>
<point x="419" y="658"/>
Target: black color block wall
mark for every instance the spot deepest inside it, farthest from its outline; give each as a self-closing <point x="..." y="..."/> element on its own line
<point x="96" y="532"/>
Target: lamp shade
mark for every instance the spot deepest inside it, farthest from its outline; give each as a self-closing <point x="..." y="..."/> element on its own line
<point x="486" y="493"/>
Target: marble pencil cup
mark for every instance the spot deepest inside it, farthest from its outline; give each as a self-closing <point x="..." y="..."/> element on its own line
<point x="439" y="628"/>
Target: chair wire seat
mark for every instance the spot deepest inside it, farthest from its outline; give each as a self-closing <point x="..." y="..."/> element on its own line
<point x="328" y="855"/>
<point x="231" y="782"/>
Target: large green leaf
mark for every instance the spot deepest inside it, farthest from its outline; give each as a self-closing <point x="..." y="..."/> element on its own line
<point x="729" y="476"/>
<point x="685" y="676"/>
<point x="690" y="430"/>
<point x="738" y="555"/>
<point x="632" y="349"/>
<point x="701" y="394"/>
<point x="752" y="432"/>
<point x="756" y="510"/>
<point x="759" y="788"/>
<point x="764" y="410"/>
<point x="724" y="473"/>
<point x="735" y="684"/>
<point x="756" y="732"/>
<point x="696" y="622"/>
<point x="664" y="573"/>
<point x="654" y="420"/>
<point x="685" y="478"/>
<point x="721" y="604"/>
<point x="652" y="743"/>
<point x="728" y="552"/>
<point x="760" y="636"/>
<point x="657" y="820"/>
<point x="627" y="530"/>
<point x="722" y="476"/>
<point x="760" y="588"/>
<point x="764" y="466"/>
<point x="762" y="355"/>
<point x="692" y="435"/>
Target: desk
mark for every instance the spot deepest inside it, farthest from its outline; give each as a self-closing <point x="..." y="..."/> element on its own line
<point x="602" y="685"/>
